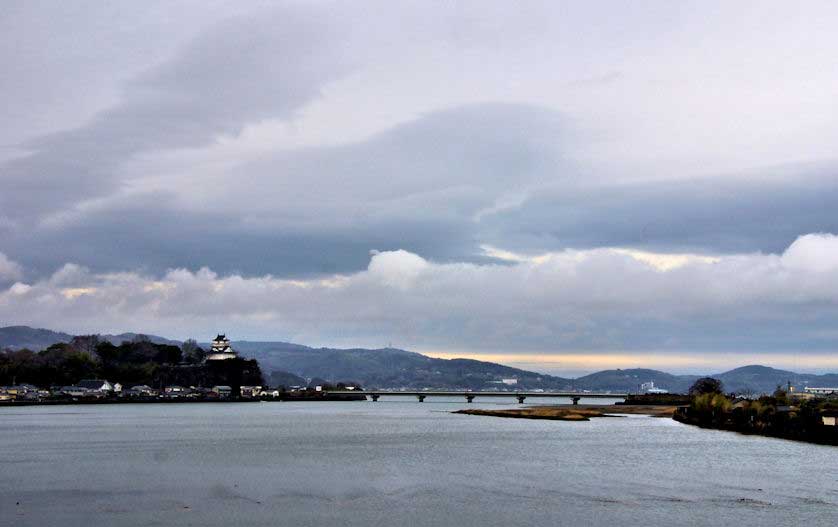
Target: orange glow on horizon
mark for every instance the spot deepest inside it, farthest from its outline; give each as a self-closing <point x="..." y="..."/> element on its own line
<point x="602" y="361"/>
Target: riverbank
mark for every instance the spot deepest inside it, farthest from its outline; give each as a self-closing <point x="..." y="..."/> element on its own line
<point x="802" y="423"/>
<point x="180" y="400"/>
<point x="574" y="412"/>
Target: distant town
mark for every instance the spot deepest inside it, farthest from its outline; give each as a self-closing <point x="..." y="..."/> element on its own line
<point x="90" y="369"/>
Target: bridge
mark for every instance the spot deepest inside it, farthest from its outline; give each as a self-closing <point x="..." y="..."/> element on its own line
<point x="471" y="395"/>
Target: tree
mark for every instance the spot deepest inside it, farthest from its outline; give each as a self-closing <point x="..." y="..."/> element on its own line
<point x="192" y="353"/>
<point x="706" y="385"/>
<point x="85" y="343"/>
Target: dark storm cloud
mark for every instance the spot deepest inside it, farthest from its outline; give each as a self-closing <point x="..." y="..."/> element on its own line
<point x="714" y="214"/>
<point x="435" y="187"/>
<point x="322" y="210"/>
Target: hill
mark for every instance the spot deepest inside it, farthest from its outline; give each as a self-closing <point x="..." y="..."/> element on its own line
<point x="630" y="379"/>
<point x="396" y="368"/>
<point x="392" y="368"/>
<point x="37" y="339"/>
<point x="762" y="379"/>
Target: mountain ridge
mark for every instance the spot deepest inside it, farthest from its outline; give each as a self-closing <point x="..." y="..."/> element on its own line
<point x="397" y="368"/>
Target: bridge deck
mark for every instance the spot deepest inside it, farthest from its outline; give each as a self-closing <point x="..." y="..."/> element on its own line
<point x="451" y="393"/>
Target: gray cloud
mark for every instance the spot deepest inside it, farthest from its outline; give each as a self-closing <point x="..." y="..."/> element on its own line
<point x="242" y="69"/>
<point x="441" y="186"/>
<point x="765" y="213"/>
<point x="288" y="141"/>
<point x="570" y="301"/>
<point x="322" y="210"/>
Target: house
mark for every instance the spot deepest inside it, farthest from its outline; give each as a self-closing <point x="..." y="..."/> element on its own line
<point x="96" y="385"/>
<point x="250" y="391"/>
<point x="78" y="391"/>
<point x="222" y="391"/>
<point x="821" y="391"/>
<point x="21" y="391"/>
<point x="141" y="390"/>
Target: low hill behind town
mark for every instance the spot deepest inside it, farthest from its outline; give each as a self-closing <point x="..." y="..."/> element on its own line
<point x="397" y="368"/>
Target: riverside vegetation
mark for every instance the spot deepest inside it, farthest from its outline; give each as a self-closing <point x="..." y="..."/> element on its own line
<point x="778" y="415"/>
<point x="138" y="362"/>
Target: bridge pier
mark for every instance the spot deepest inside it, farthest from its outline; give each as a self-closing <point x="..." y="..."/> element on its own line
<point x="575" y="399"/>
<point x="521" y="399"/>
<point x="421" y="398"/>
<point x="469" y="398"/>
<point x="375" y="397"/>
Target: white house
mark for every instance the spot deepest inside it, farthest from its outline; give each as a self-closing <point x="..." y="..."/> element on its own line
<point x="96" y="385"/>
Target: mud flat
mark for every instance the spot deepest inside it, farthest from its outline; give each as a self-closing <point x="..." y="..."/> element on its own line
<point x="573" y="413"/>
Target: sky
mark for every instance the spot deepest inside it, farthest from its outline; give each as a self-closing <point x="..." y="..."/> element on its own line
<point x="559" y="186"/>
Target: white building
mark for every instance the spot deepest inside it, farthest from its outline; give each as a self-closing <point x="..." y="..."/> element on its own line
<point x="221" y="349"/>
<point x="96" y="385"/>
<point x="649" y="387"/>
<point x="821" y="391"/>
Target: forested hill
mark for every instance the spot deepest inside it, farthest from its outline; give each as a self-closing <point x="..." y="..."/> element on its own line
<point x="37" y="339"/>
<point x="396" y="368"/>
<point x="392" y="368"/>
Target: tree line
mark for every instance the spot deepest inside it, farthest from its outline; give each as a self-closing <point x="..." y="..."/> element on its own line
<point x="139" y="361"/>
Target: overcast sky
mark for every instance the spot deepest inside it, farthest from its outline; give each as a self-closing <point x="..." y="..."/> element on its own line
<point x="558" y="186"/>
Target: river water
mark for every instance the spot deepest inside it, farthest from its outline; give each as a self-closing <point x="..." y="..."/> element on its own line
<point x="394" y="463"/>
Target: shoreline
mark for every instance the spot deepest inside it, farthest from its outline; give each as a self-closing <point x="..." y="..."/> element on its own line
<point x="574" y="412"/>
<point x="151" y="400"/>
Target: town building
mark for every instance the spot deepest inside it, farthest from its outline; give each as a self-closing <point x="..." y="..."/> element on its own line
<point x="821" y="391"/>
<point x="222" y="391"/>
<point x="649" y="387"/>
<point x="96" y="385"/>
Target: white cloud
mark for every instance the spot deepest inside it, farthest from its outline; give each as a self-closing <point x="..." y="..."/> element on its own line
<point x="600" y="299"/>
<point x="9" y="270"/>
<point x="813" y="252"/>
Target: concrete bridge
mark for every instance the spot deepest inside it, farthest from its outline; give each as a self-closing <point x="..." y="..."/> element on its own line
<point x="470" y="395"/>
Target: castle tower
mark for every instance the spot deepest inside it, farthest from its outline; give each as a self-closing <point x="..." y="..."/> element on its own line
<point x="221" y="349"/>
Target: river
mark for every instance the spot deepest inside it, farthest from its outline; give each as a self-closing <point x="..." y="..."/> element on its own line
<point x="395" y="462"/>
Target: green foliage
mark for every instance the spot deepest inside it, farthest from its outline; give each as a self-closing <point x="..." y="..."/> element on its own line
<point x="706" y="385"/>
<point x="769" y="415"/>
<point x="137" y="362"/>
<point x="192" y="353"/>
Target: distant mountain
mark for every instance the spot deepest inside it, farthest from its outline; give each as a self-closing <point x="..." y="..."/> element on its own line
<point x="284" y="378"/>
<point x="762" y="379"/>
<point x="37" y="339"/>
<point x="123" y="337"/>
<point x="629" y="380"/>
<point x="293" y="364"/>
<point x="392" y="368"/>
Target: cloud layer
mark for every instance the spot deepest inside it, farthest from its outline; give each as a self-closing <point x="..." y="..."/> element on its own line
<point x="538" y="177"/>
<point x="600" y="300"/>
